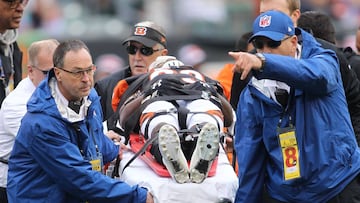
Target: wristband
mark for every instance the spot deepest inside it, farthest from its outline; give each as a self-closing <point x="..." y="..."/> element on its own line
<point x="263" y="60"/>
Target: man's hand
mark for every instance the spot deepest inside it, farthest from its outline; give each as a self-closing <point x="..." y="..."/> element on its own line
<point x="112" y="135"/>
<point x="244" y="62"/>
<point x="122" y="148"/>
<point x="229" y="144"/>
<point x="149" y="198"/>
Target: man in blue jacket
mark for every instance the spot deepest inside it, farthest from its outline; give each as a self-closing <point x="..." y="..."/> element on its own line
<point x="60" y="147"/>
<point x="293" y="130"/>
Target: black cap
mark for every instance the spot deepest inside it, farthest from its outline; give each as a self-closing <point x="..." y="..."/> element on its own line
<point x="146" y="35"/>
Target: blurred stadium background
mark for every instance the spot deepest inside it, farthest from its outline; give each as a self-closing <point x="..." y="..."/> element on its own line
<point x="213" y="25"/>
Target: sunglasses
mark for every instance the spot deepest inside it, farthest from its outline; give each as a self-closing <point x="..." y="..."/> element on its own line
<point x="15" y="3"/>
<point x="260" y="43"/>
<point x="45" y="72"/>
<point x="146" y="51"/>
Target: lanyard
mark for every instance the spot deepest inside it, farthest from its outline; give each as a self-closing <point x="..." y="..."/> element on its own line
<point x="288" y="143"/>
<point x="79" y="141"/>
<point x="287" y="110"/>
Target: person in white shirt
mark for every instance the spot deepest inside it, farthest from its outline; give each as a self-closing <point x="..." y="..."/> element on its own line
<point x="14" y="106"/>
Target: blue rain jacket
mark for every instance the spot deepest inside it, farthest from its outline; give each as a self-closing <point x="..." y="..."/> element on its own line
<point x="329" y="157"/>
<point x="46" y="164"/>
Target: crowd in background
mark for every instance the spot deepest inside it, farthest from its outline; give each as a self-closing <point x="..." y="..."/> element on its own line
<point x="200" y="33"/>
<point x="213" y="25"/>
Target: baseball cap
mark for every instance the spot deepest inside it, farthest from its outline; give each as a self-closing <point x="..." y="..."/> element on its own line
<point x="274" y="25"/>
<point x="147" y="33"/>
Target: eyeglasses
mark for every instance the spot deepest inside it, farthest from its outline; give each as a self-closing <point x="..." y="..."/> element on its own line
<point x="15" y="3"/>
<point x="260" y="43"/>
<point x="146" y="51"/>
<point x="80" y="73"/>
<point x="45" y="72"/>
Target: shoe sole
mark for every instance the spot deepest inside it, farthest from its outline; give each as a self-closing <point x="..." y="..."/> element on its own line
<point x="172" y="156"/>
<point x="206" y="150"/>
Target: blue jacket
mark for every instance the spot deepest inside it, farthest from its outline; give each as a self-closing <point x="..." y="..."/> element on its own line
<point x="46" y="164"/>
<point x="329" y="158"/>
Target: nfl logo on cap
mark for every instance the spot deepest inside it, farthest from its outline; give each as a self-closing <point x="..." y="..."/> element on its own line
<point x="265" y="21"/>
<point x="274" y="25"/>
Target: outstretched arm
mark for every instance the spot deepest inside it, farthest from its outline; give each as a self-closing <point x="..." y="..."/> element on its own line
<point x="245" y="62"/>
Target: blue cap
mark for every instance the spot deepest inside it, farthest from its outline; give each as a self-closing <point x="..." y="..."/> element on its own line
<point x="274" y="25"/>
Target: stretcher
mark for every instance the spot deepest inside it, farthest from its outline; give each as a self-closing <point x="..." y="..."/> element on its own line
<point x="136" y="144"/>
<point x="220" y="186"/>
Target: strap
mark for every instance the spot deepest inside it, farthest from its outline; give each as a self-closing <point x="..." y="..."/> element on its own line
<point x="76" y="127"/>
<point x="204" y="95"/>
<point x="182" y="115"/>
<point x="4" y="161"/>
<point x="141" y="151"/>
<point x="133" y="119"/>
<point x="150" y="119"/>
<point x="115" y="172"/>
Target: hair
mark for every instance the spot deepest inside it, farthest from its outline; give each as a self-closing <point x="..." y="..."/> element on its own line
<point x="293" y="5"/>
<point x="159" y="46"/>
<point x="319" y="24"/>
<point x="35" y="48"/>
<point x="242" y="43"/>
<point x="64" y="48"/>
